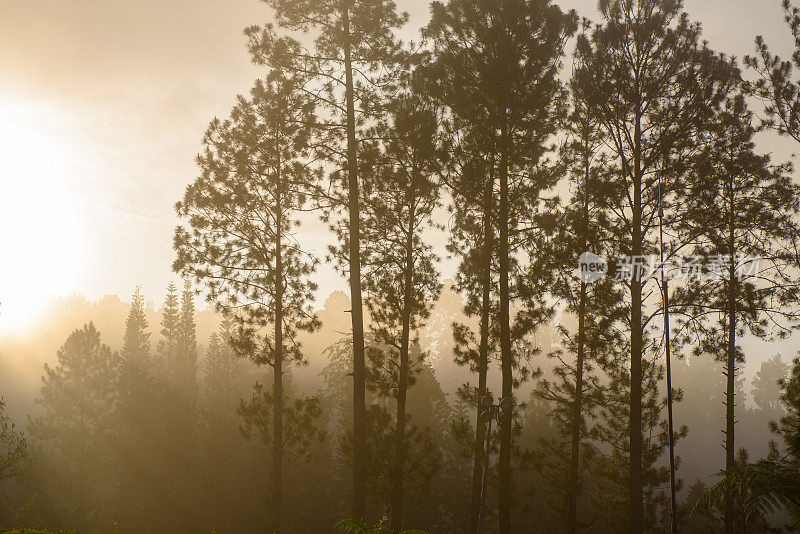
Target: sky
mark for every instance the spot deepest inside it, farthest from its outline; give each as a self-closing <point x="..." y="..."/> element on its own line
<point x="102" y="109"/>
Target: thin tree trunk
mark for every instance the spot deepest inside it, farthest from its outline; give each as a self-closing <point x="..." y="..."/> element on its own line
<point x="730" y="371"/>
<point x="572" y="497"/>
<point x="402" y="386"/>
<point x="359" y="374"/>
<point x="635" y="429"/>
<point x="277" y="384"/>
<point x="506" y="358"/>
<point x="483" y="353"/>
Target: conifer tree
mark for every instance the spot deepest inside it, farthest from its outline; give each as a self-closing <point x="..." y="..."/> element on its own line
<point x="136" y="357"/>
<point x="186" y="364"/>
<point x="748" y="226"/>
<point x="16" y="456"/>
<point x="226" y="460"/>
<point x="653" y="86"/>
<point x="766" y="386"/>
<point x="470" y="180"/>
<point x="240" y="242"/>
<point x="503" y="84"/>
<point x="612" y="470"/>
<point x="138" y="411"/>
<point x="79" y="401"/>
<point x="176" y="370"/>
<point x="471" y="238"/>
<point x="589" y="329"/>
<point x="401" y="192"/>
<point x="767" y="485"/>
<point x="348" y="68"/>
<point x="222" y="372"/>
<point x="776" y="86"/>
<point x="171" y="412"/>
<point x="168" y="344"/>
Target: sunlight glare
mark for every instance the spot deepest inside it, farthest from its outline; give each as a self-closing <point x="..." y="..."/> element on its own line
<point x="42" y="230"/>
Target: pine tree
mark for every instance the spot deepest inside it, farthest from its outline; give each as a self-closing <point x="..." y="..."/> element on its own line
<point x="747" y="221"/>
<point x="226" y="460"/>
<point x="302" y="414"/>
<point x="401" y="192"/>
<point x="138" y="410"/>
<point x="79" y="400"/>
<point x="337" y="394"/>
<point x="172" y="433"/>
<point x="788" y="426"/>
<point x="186" y="363"/>
<point x="698" y="522"/>
<point x="178" y="416"/>
<point x="763" y="487"/>
<point x="136" y="357"/>
<point x="354" y="46"/>
<point x="610" y="494"/>
<point x="775" y="86"/>
<point x="653" y="86"/>
<point x="16" y="457"/>
<point x="471" y="238"/>
<point x="240" y="242"/>
<point x="766" y="386"/>
<point x="503" y="84"/>
<point x="168" y="344"/>
<point x="589" y="327"/>
<point x="422" y="457"/>
<point x="222" y="373"/>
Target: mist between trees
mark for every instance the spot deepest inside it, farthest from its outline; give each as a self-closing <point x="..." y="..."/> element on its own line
<point x="543" y="136"/>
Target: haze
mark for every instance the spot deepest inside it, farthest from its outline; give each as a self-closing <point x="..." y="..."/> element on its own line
<point x="102" y="109"/>
<point x="103" y="106"/>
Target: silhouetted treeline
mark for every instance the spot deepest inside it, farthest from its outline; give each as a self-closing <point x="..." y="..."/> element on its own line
<point x="226" y="489"/>
<point x="480" y="143"/>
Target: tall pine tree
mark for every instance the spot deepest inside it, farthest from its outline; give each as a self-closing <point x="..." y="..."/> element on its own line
<point x="240" y="242"/>
<point x="353" y="48"/>
<point x="401" y="192"/>
<point x="79" y="401"/>
<point x="653" y="86"/>
<point x="589" y="328"/>
<point x="748" y="227"/>
<point x="138" y="409"/>
<point x="495" y="66"/>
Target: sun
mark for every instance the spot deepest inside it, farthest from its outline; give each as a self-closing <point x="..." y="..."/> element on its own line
<point x="42" y="248"/>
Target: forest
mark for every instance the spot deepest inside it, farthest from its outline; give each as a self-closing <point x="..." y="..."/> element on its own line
<point x="625" y="246"/>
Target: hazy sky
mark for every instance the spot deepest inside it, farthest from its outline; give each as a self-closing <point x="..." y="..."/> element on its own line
<point x="102" y="108"/>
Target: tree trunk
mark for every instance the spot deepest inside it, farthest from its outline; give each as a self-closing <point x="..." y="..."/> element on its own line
<point x="730" y="371"/>
<point x="359" y="374"/>
<point x="483" y="352"/>
<point x="277" y="384"/>
<point x="402" y="386"/>
<point x="635" y="428"/>
<point x="574" y="463"/>
<point x="506" y="358"/>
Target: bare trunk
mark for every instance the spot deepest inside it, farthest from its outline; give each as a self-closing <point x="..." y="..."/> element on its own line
<point x="574" y="463"/>
<point x="402" y="386"/>
<point x="483" y="353"/>
<point x="506" y="358"/>
<point x="359" y="375"/>
<point x="730" y="370"/>
<point x="635" y="429"/>
<point x="277" y="384"/>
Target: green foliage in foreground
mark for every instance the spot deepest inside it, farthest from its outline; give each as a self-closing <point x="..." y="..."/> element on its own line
<point x="767" y="486"/>
<point x="353" y="526"/>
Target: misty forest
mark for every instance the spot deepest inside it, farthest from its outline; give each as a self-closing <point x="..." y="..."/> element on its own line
<point x="570" y="264"/>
